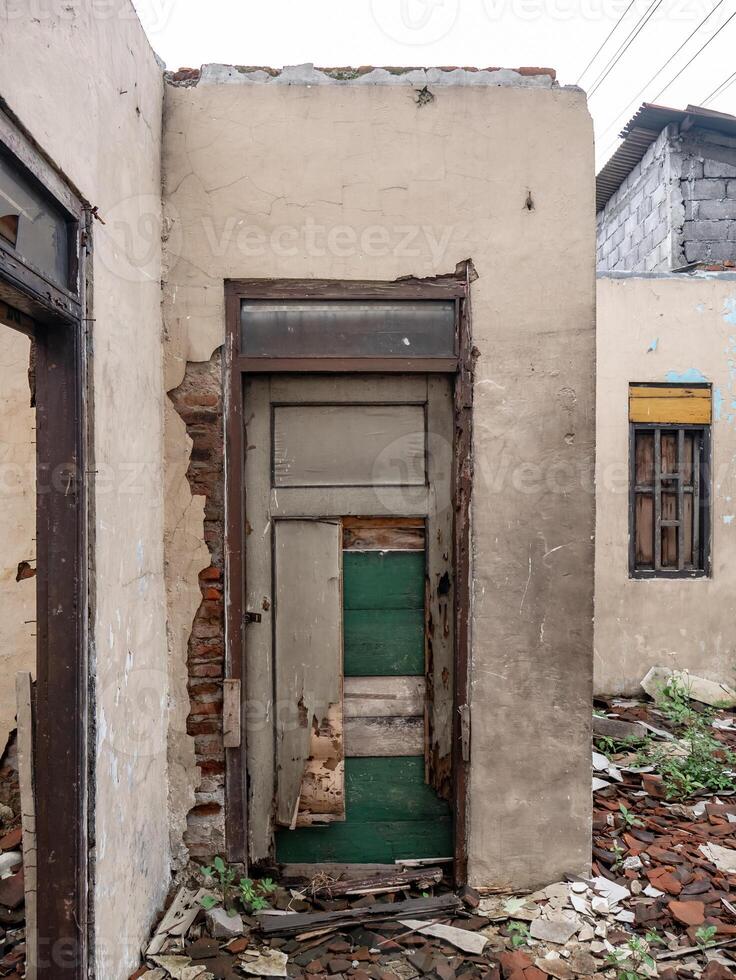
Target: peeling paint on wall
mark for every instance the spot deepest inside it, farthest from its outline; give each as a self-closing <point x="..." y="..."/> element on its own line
<point x="691" y="375"/>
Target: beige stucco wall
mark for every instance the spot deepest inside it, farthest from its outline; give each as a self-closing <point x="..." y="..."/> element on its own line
<point x="670" y="327"/>
<point x="352" y="180"/>
<point x="17" y="521"/>
<point x="83" y="79"/>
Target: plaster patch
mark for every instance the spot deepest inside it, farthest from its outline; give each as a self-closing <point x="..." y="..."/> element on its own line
<point x="717" y="404"/>
<point x="729" y="309"/>
<point x="691" y="375"/>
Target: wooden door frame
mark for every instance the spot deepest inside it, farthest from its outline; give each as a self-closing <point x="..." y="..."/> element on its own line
<point x="56" y="319"/>
<point x="236" y="368"/>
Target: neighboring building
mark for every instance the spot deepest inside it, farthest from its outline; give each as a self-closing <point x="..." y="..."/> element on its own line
<point x="365" y="421"/>
<point x="667" y="197"/>
<point x="666" y="400"/>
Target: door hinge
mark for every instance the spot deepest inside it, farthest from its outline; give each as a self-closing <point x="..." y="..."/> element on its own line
<point x="464" y="710"/>
<point x="251" y="617"/>
<point x="231" y="713"/>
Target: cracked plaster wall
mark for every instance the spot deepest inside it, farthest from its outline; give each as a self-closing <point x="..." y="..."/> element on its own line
<point x="356" y="180"/>
<point x="17" y="522"/>
<point x="87" y="85"/>
<point x="664" y="328"/>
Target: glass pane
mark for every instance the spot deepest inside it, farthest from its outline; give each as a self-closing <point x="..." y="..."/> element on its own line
<point x="644" y="458"/>
<point x="30" y="223"/>
<point x="669" y="534"/>
<point x="644" y="530"/>
<point x="353" y="328"/>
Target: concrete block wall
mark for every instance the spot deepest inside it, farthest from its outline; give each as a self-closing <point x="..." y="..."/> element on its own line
<point x="633" y="228"/>
<point x="708" y="188"/>
<point x="677" y="206"/>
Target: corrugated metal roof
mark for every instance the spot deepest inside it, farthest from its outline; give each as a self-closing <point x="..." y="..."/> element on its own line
<point x="642" y="130"/>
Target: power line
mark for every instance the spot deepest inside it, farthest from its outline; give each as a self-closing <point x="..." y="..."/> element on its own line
<point x="626" y="44"/>
<point x="606" y="40"/>
<point x="697" y="53"/>
<point x="720" y="89"/>
<point x="659" y="71"/>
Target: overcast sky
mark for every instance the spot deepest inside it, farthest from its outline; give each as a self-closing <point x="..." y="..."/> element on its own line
<point x="562" y="34"/>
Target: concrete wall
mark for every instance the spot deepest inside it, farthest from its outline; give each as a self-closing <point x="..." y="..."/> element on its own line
<point x="671" y="328"/>
<point x="17" y="522"/>
<point x="361" y="179"/>
<point x="678" y="205"/>
<point x="85" y="82"/>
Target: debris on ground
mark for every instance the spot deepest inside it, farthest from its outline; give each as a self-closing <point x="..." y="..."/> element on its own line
<point x="12" y="889"/>
<point x="660" y="900"/>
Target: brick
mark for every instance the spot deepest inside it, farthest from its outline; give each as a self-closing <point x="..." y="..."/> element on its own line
<point x="716" y="209"/>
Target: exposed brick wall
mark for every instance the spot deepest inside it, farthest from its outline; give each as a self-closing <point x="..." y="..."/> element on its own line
<point x="198" y="400"/>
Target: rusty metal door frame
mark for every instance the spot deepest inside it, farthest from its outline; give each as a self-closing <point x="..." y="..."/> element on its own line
<point x="237" y="367"/>
<point x="56" y="319"/>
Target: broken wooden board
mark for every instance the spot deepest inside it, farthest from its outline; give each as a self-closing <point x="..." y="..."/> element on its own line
<point x="384" y="697"/>
<point x="308" y="655"/>
<point x="384" y="737"/>
<point x="273" y="925"/>
<point x="383" y="534"/>
<point x="180" y="915"/>
<point x="377" y="884"/>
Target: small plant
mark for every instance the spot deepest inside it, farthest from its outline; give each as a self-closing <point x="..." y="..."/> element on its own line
<point x="519" y="933"/>
<point x="634" y="960"/>
<point x="705" y="935"/>
<point x="619" y="852"/>
<point x="630" y="819"/>
<point x="673" y="702"/>
<point x="252" y="894"/>
<point x="224" y="878"/>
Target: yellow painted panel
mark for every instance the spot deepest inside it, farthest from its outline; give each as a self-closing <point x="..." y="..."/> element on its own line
<point x="680" y="405"/>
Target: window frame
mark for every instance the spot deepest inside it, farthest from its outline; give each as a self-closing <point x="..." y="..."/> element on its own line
<point x="704" y="499"/>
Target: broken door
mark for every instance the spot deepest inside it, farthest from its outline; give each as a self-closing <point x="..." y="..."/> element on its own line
<point x="349" y="647"/>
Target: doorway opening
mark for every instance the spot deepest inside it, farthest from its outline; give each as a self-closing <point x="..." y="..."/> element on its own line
<point x="44" y="243"/>
<point x="348" y="488"/>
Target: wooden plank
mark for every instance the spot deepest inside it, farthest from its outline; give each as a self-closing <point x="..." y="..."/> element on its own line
<point x="380" y="737"/>
<point x="391" y="814"/>
<point x="384" y="697"/>
<point x="383" y="534"/>
<point x="275" y="925"/>
<point x="28" y="817"/>
<point x="348" y="445"/>
<point x="231" y="704"/>
<point x="440" y="611"/>
<point x="378" y="580"/>
<point x="391" y="880"/>
<point x="261" y="773"/>
<point x="383" y="641"/>
<point x="677" y="405"/>
<point x="308" y="657"/>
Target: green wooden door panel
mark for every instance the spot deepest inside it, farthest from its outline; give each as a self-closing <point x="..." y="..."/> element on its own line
<point x="383" y="641"/>
<point x="383" y="579"/>
<point x="390" y="814"/>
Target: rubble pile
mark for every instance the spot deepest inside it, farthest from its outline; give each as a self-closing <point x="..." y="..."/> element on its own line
<point x="12" y="897"/>
<point x="660" y="899"/>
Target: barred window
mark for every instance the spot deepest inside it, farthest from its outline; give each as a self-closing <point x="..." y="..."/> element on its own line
<point x="670" y="481"/>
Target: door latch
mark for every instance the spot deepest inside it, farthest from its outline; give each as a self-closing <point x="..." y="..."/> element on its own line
<point x="251" y="617"/>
